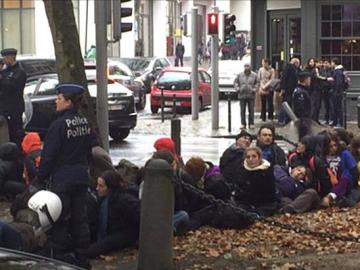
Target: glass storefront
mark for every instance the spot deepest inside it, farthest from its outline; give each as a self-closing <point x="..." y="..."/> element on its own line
<point x="17" y="26"/>
<point x="340" y="34"/>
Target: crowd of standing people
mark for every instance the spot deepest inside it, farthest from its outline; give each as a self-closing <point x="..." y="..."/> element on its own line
<point x="305" y="89"/>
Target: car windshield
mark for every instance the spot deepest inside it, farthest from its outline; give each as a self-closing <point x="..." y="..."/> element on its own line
<point x="136" y="64"/>
<point x="174" y="80"/>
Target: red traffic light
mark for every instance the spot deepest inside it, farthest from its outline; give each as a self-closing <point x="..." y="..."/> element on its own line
<point x="213" y="23"/>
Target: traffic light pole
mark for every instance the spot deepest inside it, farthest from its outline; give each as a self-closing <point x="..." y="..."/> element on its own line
<point x="194" y="70"/>
<point x="215" y="79"/>
<point x="102" y="113"/>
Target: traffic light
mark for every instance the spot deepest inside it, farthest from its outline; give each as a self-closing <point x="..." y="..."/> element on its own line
<point x="119" y="13"/>
<point x="229" y="28"/>
<point x="213" y="23"/>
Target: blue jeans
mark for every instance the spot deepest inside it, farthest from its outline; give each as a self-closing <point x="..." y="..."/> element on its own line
<point x="180" y="222"/>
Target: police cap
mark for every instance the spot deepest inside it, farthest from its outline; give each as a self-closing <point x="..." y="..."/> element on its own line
<point x="304" y="74"/>
<point x="8" y="51"/>
<point x="69" y="88"/>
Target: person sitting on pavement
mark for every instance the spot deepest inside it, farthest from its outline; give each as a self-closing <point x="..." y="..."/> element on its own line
<point x="28" y="231"/>
<point x="11" y="169"/>
<point x="119" y="215"/>
<point x="255" y="188"/>
<point x="342" y="169"/>
<point x="233" y="157"/>
<point x="294" y="191"/>
<point x="309" y="153"/>
<point x="169" y="145"/>
<point x="181" y="216"/>
<point x="31" y="146"/>
<point x="207" y="177"/>
<point x="270" y="150"/>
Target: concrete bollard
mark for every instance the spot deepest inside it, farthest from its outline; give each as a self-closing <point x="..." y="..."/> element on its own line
<point x="4" y="131"/>
<point x="157" y="209"/>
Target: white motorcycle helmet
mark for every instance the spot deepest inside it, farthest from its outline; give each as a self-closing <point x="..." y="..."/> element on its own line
<point x="48" y="206"/>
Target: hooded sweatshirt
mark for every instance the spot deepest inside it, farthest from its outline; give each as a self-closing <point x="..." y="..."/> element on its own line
<point x="31" y="146"/>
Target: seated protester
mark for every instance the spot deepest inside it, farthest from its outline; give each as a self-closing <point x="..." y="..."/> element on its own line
<point x="31" y="223"/>
<point x="270" y="150"/>
<point x="207" y="177"/>
<point x="181" y="217"/>
<point x="344" y="135"/>
<point x="31" y="146"/>
<point x="293" y="189"/>
<point x="169" y="145"/>
<point x="233" y="157"/>
<point x="342" y="170"/>
<point x="255" y="189"/>
<point x="119" y="215"/>
<point x="306" y="154"/>
<point x="355" y="151"/>
<point x="11" y="170"/>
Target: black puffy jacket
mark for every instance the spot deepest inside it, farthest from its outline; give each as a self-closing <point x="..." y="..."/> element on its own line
<point x="11" y="167"/>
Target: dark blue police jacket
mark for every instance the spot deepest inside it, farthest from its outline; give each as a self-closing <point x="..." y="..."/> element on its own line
<point x="66" y="151"/>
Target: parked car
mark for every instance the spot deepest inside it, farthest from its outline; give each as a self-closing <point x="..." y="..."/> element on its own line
<point x="19" y="260"/>
<point x="34" y="66"/>
<point x="40" y="95"/>
<point x="146" y="68"/>
<point x="121" y="73"/>
<point x="177" y="81"/>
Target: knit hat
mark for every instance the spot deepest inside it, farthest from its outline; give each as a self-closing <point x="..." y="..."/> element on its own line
<point x="243" y="133"/>
<point x="31" y="142"/>
<point x="166" y="144"/>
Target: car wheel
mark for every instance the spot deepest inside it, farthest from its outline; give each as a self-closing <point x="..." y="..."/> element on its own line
<point x="120" y="134"/>
<point x="154" y="109"/>
<point x="142" y="103"/>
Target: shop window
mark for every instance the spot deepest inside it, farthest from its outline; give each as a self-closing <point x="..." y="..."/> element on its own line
<point x="340" y="34"/>
<point x="18" y="25"/>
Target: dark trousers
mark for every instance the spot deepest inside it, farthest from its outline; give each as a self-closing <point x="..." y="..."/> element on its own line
<point x="315" y="104"/>
<point x="71" y="232"/>
<point x="337" y="109"/>
<point x="112" y="242"/>
<point x="306" y="201"/>
<point x="15" y="126"/>
<point x="249" y="102"/>
<point x="267" y="105"/>
<point x="179" y="60"/>
<point x="9" y="237"/>
<point x="326" y="100"/>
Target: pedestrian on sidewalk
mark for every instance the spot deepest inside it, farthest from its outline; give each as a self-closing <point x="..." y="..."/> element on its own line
<point x="337" y="93"/>
<point x="179" y="53"/>
<point x="246" y="84"/>
<point x="65" y="160"/>
<point x="288" y="82"/>
<point x="265" y="75"/>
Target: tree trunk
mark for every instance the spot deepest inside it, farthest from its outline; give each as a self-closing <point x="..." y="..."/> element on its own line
<point x="69" y="60"/>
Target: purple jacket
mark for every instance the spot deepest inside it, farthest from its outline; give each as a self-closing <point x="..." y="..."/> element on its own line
<point x="286" y="185"/>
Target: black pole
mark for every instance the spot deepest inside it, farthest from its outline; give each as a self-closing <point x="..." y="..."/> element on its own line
<point x="162" y="105"/>
<point x="176" y="134"/>
<point x="358" y="111"/>
<point x="229" y="112"/>
<point x="174" y="106"/>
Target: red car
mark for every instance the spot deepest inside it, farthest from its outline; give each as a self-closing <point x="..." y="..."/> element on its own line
<point x="177" y="81"/>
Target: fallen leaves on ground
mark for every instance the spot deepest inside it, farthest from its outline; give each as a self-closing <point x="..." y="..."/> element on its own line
<point x="262" y="241"/>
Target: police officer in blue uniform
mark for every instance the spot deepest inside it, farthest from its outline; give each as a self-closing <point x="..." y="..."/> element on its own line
<point x="302" y="103"/>
<point x="64" y="165"/>
<point x="12" y="83"/>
